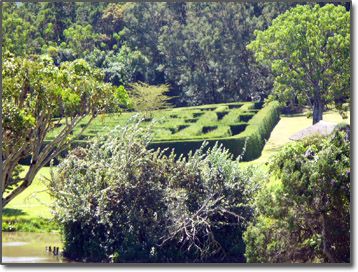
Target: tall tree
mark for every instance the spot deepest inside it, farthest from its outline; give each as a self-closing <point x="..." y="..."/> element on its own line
<point x="142" y="27"/>
<point x="308" y="51"/>
<point x="34" y="92"/>
<point x="200" y="48"/>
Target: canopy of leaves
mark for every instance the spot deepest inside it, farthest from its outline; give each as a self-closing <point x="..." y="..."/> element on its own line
<point x="37" y="96"/>
<point x="308" y="51"/>
<point x="197" y="48"/>
<point x="147" y="98"/>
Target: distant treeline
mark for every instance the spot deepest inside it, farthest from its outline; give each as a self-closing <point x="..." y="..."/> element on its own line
<point x="197" y="48"/>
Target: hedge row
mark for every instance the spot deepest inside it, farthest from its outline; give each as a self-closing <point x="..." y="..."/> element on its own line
<point x="256" y="124"/>
<point x="258" y="130"/>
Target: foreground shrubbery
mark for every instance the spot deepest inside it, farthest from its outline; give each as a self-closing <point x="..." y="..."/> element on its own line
<point x="117" y="200"/>
<point x="305" y="217"/>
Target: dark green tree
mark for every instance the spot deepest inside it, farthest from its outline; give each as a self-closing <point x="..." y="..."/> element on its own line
<point x="17" y="32"/>
<point x="200" y="48"/>
<point x="308" y="51"/>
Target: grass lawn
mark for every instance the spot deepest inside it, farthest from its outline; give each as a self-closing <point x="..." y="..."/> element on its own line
<point x="25" y="208"/>
<point x="28" y="213"/>
<point x="288" y="125"/>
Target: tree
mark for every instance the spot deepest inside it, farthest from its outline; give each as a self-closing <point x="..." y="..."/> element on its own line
<point x="308" y="51"/>
<point x="16" y="32"/>
<point x="306" y="216"/>
<point x="200" y="48"/>
<point x="35" y="91"/>
<point x="81" y="40"/>
<point x="147" y="97"/>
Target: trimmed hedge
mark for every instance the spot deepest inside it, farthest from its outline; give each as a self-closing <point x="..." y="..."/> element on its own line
<point x="258" y="130"/>
<point x="184" y="129"/>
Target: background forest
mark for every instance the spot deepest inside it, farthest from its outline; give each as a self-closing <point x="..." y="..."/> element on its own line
<point x="199" y="49"/>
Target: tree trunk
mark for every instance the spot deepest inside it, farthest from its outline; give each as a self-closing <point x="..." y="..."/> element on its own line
<point x="317" y="110"/>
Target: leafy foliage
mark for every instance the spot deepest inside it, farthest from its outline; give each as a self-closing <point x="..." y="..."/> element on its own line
<point x="118" y="200"/>
<point x="35" y="91"/>
<point x="147" y="98"/>
<point x="306" y="218"/>
<point x="308" y="51"/>
<point x="198" y="48"/>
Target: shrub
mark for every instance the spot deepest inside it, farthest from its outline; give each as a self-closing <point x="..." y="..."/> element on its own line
<point x="306" y="217"/>
<point x="120" y="201"/>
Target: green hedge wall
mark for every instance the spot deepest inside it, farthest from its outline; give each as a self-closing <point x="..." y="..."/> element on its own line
<point x="258" y="130"/>
<point x="260" y="124"/>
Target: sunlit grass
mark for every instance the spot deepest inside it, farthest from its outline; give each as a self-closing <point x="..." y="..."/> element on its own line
<point x="33" y="201"/>
<point x="288" y="125"/>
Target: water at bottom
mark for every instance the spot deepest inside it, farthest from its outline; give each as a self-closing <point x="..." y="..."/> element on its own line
<point x="29" y="247"/>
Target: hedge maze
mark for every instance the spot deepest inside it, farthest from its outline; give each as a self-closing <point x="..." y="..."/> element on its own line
<point x="230" y="124"/>
<point x="185" y="129"/>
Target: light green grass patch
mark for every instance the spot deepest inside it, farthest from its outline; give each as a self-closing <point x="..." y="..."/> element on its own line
<point x="33" y="200"/>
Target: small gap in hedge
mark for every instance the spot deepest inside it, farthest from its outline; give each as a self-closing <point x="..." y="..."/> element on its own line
<point x="193" y="120"/>
<point x="246" y="117"/>
<point x="207" y="129"/>
<point x="197" y="114"/>
<point x="221" y="114"/>
<point x="172" y="130"/>
<point x="181" y="127"/>
<point x="235" y="106"/>
<point x="237" y="129"/>
<point x="258" y="105"/>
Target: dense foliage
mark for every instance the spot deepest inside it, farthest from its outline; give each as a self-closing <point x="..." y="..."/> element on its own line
<point x="34" y="92"/>
<point x="197" y="48"/>
<point x="118" y="200"/>
<point x="308" y="51"/>
<point x="305" y="217"/>
<point x="200" y="48"/>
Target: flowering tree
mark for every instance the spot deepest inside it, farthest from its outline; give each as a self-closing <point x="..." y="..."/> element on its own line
<point x="35" y="91"/>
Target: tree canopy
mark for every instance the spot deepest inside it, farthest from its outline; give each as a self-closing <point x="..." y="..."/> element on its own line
<point x="38" y="96"/>
<point x="199" y="49"/>
<point x="308" y="51"/>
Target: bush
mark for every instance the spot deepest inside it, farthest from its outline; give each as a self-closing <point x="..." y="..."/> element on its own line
<point x="306" y="217"/>
<point x="119" y="201"/>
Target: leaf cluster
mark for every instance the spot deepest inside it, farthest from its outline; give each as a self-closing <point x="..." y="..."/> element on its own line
<point x="306" y="217"/>
<point x="308" y="51"/>
<point x="148" y="98"/>
<point x="39" y="96"/>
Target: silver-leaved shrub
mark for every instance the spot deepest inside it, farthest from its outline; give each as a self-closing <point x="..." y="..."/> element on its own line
<point x="118" y="201"/>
